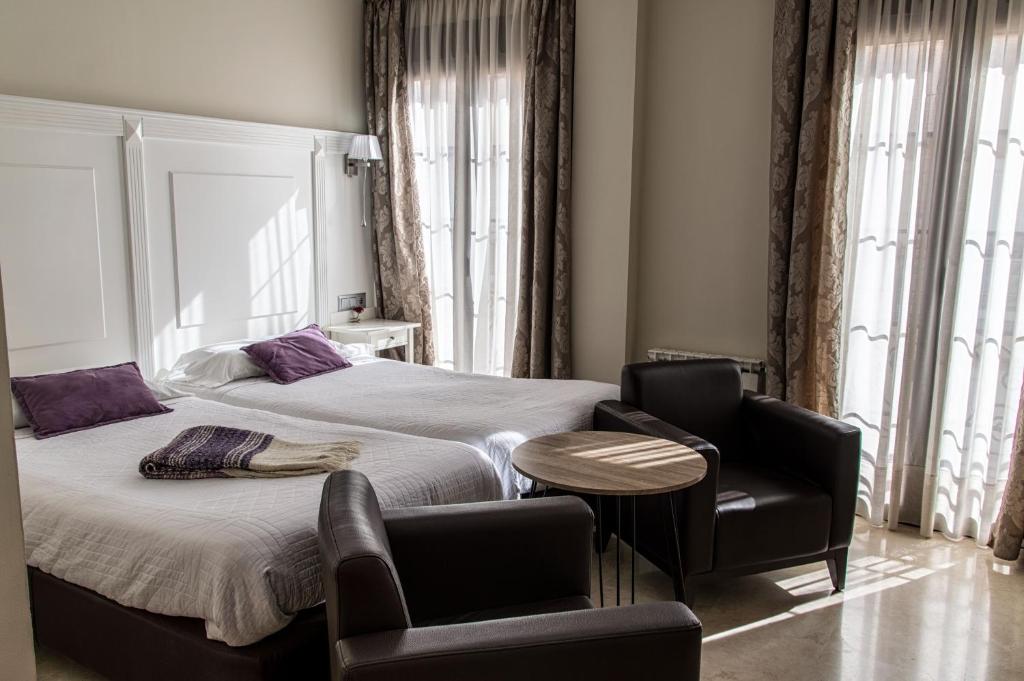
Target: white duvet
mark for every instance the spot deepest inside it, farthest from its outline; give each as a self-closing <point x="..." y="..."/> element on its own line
<point x="490" y="413"/>
<point x="239" y="553"/>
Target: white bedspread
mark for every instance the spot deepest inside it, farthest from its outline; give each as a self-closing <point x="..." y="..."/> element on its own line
<point x="491" y="413"/>
<point x="240" y="553"/>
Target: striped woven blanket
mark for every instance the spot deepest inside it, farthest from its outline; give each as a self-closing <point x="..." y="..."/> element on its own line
<point x="221" y="452"/>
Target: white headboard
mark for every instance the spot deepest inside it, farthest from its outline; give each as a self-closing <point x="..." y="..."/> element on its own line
<point x="134" y="234"/>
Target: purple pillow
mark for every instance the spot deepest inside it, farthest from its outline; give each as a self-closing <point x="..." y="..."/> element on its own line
<point x="297" y="355"/>
<point x="55" y="404"/>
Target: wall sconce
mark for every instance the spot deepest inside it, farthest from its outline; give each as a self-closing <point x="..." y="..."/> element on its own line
<point x="364" y="151"/>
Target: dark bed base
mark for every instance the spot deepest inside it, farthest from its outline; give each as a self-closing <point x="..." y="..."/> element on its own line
<point x="127" y="644"/>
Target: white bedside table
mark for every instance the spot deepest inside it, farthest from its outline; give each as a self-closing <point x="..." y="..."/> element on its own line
<point x="379" y="334"/>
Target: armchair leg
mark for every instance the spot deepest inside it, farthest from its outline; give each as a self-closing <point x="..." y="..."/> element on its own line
<point x="837" y="568"/>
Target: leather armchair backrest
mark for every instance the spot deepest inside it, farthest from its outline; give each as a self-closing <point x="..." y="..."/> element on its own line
<point x="361" y="585"/>
<point x="701" y="396"/>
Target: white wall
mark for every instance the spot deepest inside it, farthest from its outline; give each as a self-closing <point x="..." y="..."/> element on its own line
<point x="603" y="121"/>
<point x="17" y="659"/>
<point x="703" y="245"/>
<point x="270" y="61"/>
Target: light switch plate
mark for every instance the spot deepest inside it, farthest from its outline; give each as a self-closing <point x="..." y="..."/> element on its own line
<point x="347" y="301"/>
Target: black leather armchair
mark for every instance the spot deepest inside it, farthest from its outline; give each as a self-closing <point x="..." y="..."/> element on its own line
<point x="482" y="591"/>
<point x="781" y="484"/>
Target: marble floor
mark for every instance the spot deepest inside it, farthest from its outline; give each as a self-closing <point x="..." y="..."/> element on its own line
<point x="913" y="609"/>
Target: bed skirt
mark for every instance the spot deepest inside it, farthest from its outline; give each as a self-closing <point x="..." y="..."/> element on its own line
<point x="128" y="644"/>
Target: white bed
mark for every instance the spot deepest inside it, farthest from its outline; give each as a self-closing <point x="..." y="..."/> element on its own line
<point x="239" y="553"/>
<point x="490" y="413"/>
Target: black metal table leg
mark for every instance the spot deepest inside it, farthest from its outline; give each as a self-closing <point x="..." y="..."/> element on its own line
<point x="533" y="489"/>
<point x="632" y="554"/>
<point x="618" y="544"/>
<point x="680" y="584"/>
<point x="600" y="558"/>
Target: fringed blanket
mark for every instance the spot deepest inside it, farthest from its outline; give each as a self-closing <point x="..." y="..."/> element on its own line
<point x="220" y="452"/>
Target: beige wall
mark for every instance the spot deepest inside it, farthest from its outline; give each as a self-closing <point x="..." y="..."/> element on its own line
<point x="603" y="107"/>
<point x="17" y="659"/>
<point x="270" y="61"/>
<point x="702" y="260"/>
<point x="670" y="179"/>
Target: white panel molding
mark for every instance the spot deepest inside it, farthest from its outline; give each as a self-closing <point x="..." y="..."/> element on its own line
<point x="198" y="201"/>
<point x="27" y="112"/>
<point x="132" y="127"/>
<point x="45" y="239"/>
<point x="320" y="229"/>
<point x="24" y="112"/>
<point x="135" y="192"/>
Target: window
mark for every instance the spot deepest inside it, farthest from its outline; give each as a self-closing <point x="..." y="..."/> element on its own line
<point x="934" y="330"/>
<point x="466" y="100"/>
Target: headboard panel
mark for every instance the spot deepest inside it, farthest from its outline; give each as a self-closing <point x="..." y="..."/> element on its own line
<point x="132" y="234"/>
<point x="231" y="243"/>
<point x="63" y="250"/>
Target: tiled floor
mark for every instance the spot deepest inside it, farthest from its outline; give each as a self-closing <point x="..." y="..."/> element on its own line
<point x="913" y="609"/>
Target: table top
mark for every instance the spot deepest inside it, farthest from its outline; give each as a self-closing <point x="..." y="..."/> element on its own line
<point x="374" y="325"/>
<point x="609" y="463"/>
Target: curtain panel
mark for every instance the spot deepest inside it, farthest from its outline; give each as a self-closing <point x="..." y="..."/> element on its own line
<point x="1009" y="530"/>
<point x="542" y="344"/>
<point x="933" y="328"/>
<point x="403" y="292"/>
<point x="811" y="93"/>
<point x="466" y="62"/>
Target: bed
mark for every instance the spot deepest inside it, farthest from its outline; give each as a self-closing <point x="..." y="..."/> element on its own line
<point x="490" y="413"/>
<point x="238" y="554"/>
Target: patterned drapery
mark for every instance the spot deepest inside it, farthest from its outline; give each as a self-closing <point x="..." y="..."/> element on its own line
<point x="1009" y="529"/>
<point x="401" y="279"/>
<point x="812" y="87"/>
<point x="542" y="344"/>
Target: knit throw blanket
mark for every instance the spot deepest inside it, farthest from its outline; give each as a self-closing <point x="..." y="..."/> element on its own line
<point x="220" y="452"/>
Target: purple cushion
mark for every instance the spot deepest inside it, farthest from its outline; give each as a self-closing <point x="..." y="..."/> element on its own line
<point x="55" y="404"/>
<point x="297" y="355"/>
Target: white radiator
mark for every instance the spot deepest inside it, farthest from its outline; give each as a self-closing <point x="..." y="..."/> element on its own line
<point x="751" y="368"/>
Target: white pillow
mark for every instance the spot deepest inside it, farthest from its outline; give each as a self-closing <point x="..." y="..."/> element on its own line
<point x="19" y="416"/>
<point x="165" y="391"/>
<point x="211" y="366"/>
<point x="350" y="350"/>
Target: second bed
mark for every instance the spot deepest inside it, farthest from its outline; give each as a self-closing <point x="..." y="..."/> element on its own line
<point x="493" y="414"/>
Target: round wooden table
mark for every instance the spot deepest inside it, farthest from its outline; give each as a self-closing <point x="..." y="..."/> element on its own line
<point x="607" y="463"/>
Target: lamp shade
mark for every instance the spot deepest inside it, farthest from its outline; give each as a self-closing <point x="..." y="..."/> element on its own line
<point x="365" y="148"/>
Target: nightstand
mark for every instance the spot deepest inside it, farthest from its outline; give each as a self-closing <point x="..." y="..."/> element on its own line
<point x="379" y="334"/>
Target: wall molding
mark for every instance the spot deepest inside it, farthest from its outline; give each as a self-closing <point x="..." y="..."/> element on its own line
<point x="138" y="242"/>
<point x="28" y="112"/>
<point x="80" y="267"/>
<point x="133" y="128"/>
<point x="320" y="228"/>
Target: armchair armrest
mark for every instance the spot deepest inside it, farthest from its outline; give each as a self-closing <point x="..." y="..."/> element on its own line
<point x="625" y="418"/>
<point x="823" y="450"/>
<point x="466" y="557"/>
<point x="695" y="505"/>
<point x="650" y="641"/>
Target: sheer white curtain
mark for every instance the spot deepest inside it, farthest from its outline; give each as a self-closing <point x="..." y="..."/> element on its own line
<point x="466" y="78"/>
<point x="933" y="352"/>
